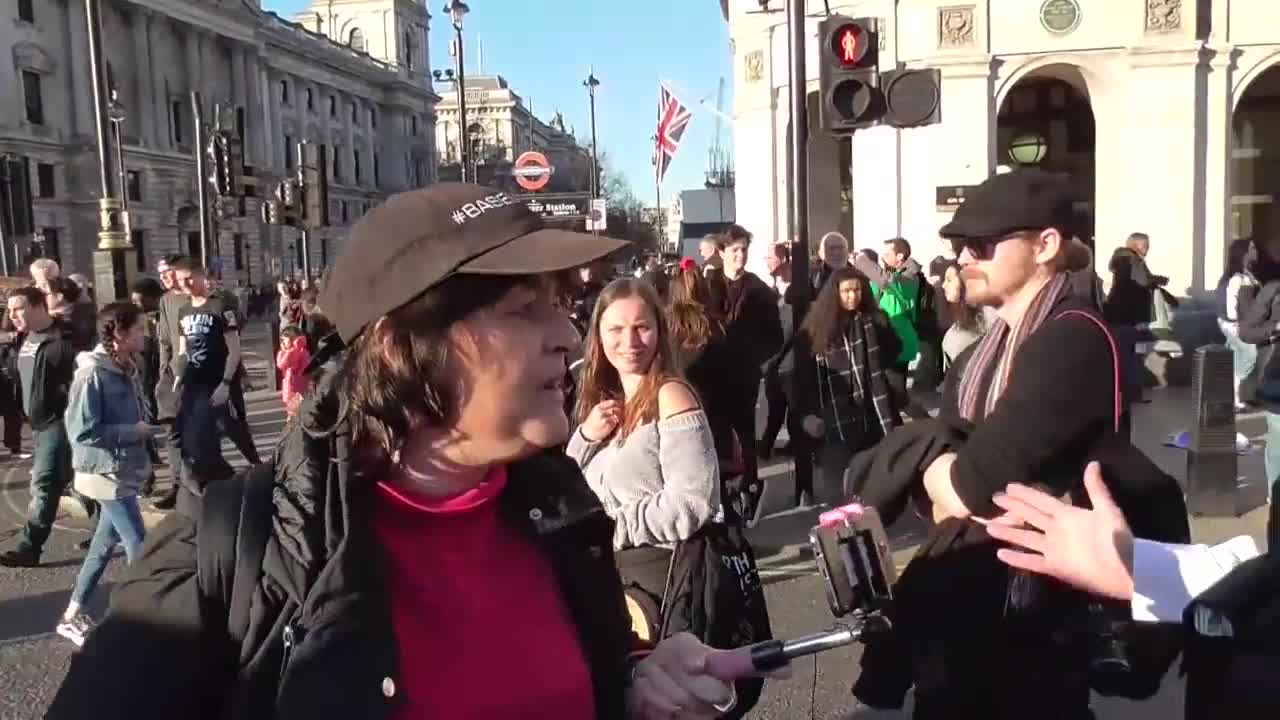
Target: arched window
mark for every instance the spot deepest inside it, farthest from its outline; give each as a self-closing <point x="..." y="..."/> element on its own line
<point x="356" y="40"/>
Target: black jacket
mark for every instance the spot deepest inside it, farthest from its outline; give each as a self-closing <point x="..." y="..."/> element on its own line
<point x="956" y="633"/>
<point x="753" y="330"/>
<point x="321" y="585"/>
<point x="55" y="364"/>
<point x="1132" y="288"/>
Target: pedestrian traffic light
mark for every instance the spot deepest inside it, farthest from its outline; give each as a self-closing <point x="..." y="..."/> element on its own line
<point x="849" y="74"/>
<point x="271" y="212"/>
<point x="232" y="149"/>
<point x="315" y="186"/>
<point x="220" y="172"/>
<point x="912" y="97"/>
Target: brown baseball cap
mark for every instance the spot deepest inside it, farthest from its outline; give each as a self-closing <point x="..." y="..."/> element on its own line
<point x="419" y="238"/>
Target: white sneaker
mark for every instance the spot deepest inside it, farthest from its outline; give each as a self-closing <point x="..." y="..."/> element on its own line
<point x="76" y="629"/>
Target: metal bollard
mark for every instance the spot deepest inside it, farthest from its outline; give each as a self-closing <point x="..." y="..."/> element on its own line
<point x="1213" y="478"/>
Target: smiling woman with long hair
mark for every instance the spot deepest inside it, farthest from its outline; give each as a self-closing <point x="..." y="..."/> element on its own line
<point x="418" y="548"/>
<point x="644" y="443"/>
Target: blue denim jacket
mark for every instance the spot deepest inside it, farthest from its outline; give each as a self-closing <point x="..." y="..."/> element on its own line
<point x="103" y="412"/>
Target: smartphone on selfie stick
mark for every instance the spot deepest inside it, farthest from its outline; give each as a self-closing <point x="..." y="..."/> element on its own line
<point x="851" y="549"/>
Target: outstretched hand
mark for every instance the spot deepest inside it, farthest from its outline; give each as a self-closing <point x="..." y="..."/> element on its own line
<point x="1090" y="549"/>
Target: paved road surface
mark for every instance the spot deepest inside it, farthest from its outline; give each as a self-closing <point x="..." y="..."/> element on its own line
<point x="32" y="659"/>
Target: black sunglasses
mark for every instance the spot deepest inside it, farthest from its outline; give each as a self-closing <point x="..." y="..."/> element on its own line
<point x="981" y="248"/>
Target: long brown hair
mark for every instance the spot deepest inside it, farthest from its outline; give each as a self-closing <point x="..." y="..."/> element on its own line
<point x="600" y="379"/>
<point x="822" y="325"/>
<point x="691" y="313"/>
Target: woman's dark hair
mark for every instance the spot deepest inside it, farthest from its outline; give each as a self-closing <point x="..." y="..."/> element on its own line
<point x="116" y="319"/>
<point x="394" y="375"/>
<point x="292" y="290"/>
<point x="1237" y="253"/>
<point x="962" y="313"/>
<point x="691" y="313"/>
<point x="823" y="323"/>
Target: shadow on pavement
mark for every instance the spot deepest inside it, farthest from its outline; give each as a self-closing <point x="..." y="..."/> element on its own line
<point x="36" y="614"/>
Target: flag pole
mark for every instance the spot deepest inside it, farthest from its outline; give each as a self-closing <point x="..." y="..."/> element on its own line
<point x="657" y="197"/>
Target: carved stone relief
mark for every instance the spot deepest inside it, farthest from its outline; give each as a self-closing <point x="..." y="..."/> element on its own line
<point x="1164" y="15"/>
<point x="955" y="27"/>
<point x="754" y="62"/>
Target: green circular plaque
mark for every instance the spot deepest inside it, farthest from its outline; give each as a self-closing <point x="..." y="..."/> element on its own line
<point x="1060" y="16"/>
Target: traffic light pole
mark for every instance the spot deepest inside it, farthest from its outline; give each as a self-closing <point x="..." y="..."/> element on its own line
<point x="305" y="239"/>
<point x="202" y="175"/>
<point x="799" y="195"/>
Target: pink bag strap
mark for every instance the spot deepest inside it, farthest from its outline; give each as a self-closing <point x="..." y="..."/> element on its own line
<point x="1115" y="359"/>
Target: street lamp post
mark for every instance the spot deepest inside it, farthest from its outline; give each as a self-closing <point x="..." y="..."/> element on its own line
<point x="458" y="10"/>
<point x="116" y="114"/>
<point x="114" y="260"/>
<point x="591" y="83"/>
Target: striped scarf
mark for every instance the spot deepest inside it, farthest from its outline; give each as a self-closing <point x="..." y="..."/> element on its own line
<point x="993" y="358"/>
<point x="856" y="358"/>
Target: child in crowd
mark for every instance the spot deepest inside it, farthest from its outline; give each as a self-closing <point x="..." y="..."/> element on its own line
<point x="292" y="359"/>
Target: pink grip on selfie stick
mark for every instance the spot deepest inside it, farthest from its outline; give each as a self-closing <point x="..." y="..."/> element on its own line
<point x="729" y="665"/>
<point x="841" y="515"/>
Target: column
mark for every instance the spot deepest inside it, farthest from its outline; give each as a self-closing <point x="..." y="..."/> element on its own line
<point x="1158" y="195"/>
<point x="271" y="127"/>
<point x="191" y="39"/>
<point x="1217" y="161"/>
<point x="81" y="74"/>
<point x="239" y="93"/>
<point x="156" y="25"/>
<point x="255" y="123"/>
<point x="139" y="20"/>
<point x="348" y="139"/>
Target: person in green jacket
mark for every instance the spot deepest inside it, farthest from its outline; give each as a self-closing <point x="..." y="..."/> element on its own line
<point x="896" y="286"/>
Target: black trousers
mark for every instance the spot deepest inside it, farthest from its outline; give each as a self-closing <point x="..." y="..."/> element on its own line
<point x="236" y="425"/>
<point x="742" y="418"/>
<point x="779" y="394"/>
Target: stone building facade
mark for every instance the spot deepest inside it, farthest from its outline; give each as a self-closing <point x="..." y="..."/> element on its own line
<point x="288" y="81"/>
<point x="1164" y="112"/>
<point x="502" y="126"/>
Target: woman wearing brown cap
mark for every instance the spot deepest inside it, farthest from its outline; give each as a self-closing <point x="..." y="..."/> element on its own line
<point x="414" y="551"/>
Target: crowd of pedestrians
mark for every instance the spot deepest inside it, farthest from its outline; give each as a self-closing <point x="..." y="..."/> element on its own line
<point x="503" y="462"/>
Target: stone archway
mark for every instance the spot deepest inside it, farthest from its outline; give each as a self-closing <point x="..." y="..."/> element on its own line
<point x="1046" y="119"/>
<point x="1254" y="177"/>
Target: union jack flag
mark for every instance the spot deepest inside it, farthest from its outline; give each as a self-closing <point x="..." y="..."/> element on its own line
<point x="673" y="120"/>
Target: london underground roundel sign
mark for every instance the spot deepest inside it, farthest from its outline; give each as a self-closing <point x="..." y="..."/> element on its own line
<point x="532" y="171"/>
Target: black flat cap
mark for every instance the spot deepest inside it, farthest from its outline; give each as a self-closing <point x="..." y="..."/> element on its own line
<point x="1024" y="199"/>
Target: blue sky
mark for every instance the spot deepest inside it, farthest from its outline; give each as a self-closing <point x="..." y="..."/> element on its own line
<point x="544" y="49"/>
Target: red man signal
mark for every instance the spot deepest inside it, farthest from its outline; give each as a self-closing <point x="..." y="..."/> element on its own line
<point x="851" y="44"/>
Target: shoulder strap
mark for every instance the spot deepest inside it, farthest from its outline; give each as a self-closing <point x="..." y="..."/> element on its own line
<point x="232" y="531"/>
<point x="1115" y="360"/>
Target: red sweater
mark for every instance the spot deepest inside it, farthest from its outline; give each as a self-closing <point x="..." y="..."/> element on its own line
<point x="482" y="629"/>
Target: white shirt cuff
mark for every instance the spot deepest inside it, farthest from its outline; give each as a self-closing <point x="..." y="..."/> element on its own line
<point x="1167" y="576"/>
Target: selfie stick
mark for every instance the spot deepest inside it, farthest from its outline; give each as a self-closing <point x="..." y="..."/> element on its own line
<point x="771" y="655"/>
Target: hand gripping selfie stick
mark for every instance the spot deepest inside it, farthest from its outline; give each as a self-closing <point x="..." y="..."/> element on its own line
<point x="851" y="550"/>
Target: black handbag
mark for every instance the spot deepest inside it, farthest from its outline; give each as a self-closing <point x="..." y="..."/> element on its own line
<point x="714" y="592"/>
